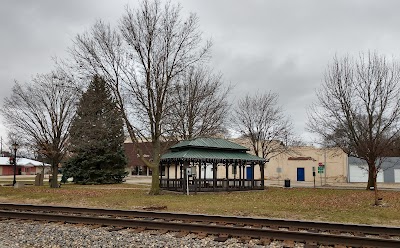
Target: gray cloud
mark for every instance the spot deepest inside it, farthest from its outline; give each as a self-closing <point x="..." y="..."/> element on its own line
<point x="282" y="46"/>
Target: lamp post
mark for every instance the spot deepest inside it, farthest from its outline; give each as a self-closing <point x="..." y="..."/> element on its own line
<point x="15" y="148"/>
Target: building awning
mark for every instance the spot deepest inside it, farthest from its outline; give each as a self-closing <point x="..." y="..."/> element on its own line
<point x="210" y="155"/>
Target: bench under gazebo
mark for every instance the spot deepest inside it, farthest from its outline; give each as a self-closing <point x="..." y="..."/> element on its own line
<point x="210" y="164"/>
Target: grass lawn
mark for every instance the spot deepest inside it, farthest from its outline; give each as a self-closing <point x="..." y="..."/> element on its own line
<point x="352" y="206"/>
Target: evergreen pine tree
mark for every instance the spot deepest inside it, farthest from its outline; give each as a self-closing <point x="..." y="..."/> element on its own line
<point x="97" y="138"/>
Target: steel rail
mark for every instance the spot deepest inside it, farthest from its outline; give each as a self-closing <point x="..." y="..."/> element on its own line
<point x="209" y="229"/>
<point x="290" y="224"/>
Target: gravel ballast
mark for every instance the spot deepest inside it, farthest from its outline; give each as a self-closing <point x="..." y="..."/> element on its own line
<point x="38" y="234"/>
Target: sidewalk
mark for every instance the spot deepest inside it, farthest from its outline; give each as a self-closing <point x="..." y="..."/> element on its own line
<point x="268" y="183"/>
<point x="335" y="185"/>
<point x="138" y="179"/>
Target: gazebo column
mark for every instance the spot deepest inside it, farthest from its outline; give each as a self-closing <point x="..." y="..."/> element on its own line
<point x="199" y="180"/>
<point x="160" y="170"/>
<point x="240" y="175"/>
<point x="227" y="176"/>
<point x="194" y="178"/>
<point x="168" y="165"/>
<point x="252" y="176"/>
<point x="234" y="171"/>
<point x="176" y="175"/>
<point x="244" y="176"/>
<point x="214" y="175"/>
<point x="205" y="175"/>
<point x="181" y="176"/>
<point x="262" y="175"/>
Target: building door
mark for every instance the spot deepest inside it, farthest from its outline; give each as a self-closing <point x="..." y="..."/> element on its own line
<point x="359" y="174"/>
<point x="397" y="175"/>
<point x="300" y="174"/>
<point x="249" y="173"/>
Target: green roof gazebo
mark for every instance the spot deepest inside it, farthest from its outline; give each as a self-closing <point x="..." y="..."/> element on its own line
<point x="210" y="164"/>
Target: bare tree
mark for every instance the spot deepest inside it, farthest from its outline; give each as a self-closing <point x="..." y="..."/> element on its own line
<point x="41" y="113"/>
<point x="261" y="120"/>
<point x="358" y="108"/>
<point x="140" y="62"/>
<point x="200" y="105"/>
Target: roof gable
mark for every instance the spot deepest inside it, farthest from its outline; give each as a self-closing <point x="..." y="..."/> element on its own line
<point x="209" y="143"/>
<point x="210" y="149"/>
<point x="22" y="162"/>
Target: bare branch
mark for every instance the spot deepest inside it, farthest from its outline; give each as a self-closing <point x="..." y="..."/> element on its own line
<point x="41" y="111"/>
<point x="140" y="61"/>
<point x="260" y="119"/>
<point x="358" y="107"/>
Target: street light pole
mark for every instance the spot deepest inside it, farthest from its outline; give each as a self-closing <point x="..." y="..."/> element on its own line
<point x="15" y="148"/>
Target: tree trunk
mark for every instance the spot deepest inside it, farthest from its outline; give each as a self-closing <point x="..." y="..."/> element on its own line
<point x="371" y="178"/>
<point x="155" y="176"/>
<point x="155" y="181"/>
<point x="54" y="181"/>
<point x="376" y="194"/>
<point x="375" y="174"/>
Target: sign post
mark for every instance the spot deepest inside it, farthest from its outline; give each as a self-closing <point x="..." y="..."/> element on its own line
<point x="313" y="174"/>
<point x="320" y="170"/>
<point x="187" y="180"/>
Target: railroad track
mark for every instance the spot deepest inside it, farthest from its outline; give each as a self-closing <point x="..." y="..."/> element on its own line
<point x="223" y="227"/>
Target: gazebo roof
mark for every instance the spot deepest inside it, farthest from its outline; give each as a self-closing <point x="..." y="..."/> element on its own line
<point x="209" y="150"/>
<point x="209" y="143"/>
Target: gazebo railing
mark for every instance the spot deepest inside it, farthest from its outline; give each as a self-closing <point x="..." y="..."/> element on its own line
<point x="201" y="185"/>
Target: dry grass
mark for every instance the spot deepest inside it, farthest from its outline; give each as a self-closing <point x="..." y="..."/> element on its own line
<point x="352" y="206"/>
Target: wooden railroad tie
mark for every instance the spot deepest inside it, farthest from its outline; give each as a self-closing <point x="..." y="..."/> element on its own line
<point x="340" y="246"/>
<point x="384" y="236"/>
<point x="152" y="208"/>
<point x="359" y="234"/>
<point x="117" y="228"/>
<point x="163" y="231"/>
<point x="311" y="245"/>
<point x="336" y="232"/>
<point x="288" y="243"/>
<point x="265" y="241"/>
<point x="80" y="224"/>
<point x="138" y="230"/>
<point x="181" y="234"/>
<point x="245" y="239"/>
<point x="95" y="226"/>
<point x="222" y="238"/>
<point x="201" y="235"/>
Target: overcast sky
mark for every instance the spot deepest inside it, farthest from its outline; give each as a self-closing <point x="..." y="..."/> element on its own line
<point x="259" y="45"/>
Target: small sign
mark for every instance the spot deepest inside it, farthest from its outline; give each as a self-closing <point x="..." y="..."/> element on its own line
<point x="320" y="169"/>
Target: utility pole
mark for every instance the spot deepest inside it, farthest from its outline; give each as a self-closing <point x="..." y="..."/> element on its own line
<point x="325" y="162"/>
